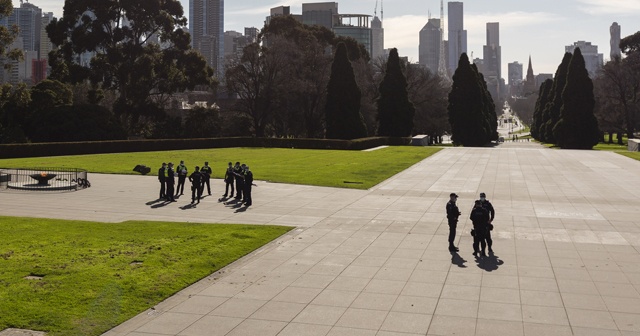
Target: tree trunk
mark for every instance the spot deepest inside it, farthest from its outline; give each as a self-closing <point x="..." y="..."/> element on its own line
<point x="610" y="137"/>
<point x="620" y="135"/>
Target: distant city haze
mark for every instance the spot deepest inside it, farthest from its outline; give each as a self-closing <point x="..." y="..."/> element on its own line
<point x="541" y="28"/>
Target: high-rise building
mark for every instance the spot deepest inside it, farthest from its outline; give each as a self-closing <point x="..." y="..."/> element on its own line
<point x="429" y="48"/>
<point x="320" y="13"/>
<point x="355" y="26"/>
<point x="540" y="78"/>
<point x="492" y="59"/>
<point x="592" y="60"/>
<point x="206" y="25"/>
<point x="514" y="73"/>
<point x="28" y="17"/>
<point x="377" y="38"/>
<point x="251" y="33"/>
<point x="614" y="30"/>
<point x="457" y="36"/>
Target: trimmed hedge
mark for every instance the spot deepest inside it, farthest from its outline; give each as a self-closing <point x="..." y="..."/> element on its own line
<point x="126" y="146"/>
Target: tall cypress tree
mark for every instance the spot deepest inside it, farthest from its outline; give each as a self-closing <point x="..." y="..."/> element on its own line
<point x="465" y="109"/>
<point x="395" y="111"/>
<point x="342" y="110"/>
<point x="488" y="108"/>
<point x="551" y="113"/>
<point x="543" y="98"/>
<point x="577" y="127"/>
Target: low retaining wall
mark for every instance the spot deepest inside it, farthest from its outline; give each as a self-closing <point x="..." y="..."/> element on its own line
<point x="633" y="145"/>
<point x="128" y="146"/>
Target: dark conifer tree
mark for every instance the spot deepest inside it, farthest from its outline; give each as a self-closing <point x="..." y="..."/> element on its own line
<point x="551" y="113"/>
<point x="395" y="111"/>
<point x="488" y="107"/>
<point x="465" y="108"/>
<point x="342" y="110"/>
<point x="577" y="127"/>
<point x="544" y="94"/>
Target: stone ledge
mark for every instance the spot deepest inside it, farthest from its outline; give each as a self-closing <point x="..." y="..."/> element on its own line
<point x="21" y="332"/>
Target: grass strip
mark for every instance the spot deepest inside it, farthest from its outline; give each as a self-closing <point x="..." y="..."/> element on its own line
<point x="87" y="277"/>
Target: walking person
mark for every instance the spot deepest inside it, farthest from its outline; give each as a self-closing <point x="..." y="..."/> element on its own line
<point x="162" y="178"/>
<point x="182" y="177"/>
<point x="228" y="180"/>
<point x="479" y="217"/>
<point x="206" y="177"/>
<point x="248" y="182"/>
<point x="452" y="217"/>
<point x="492" y="213"/>
<point x="171" y="181"/>
<point x="196" y="185"/>
<point x="237" y="173"/>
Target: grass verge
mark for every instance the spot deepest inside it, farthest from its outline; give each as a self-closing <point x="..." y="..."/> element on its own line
<point x="331" y="168"/>
<point x="97" y="275"/>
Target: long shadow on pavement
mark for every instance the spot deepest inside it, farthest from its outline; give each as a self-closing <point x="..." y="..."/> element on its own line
<point x="456" y="259"/>
<point x="489" y="263"/>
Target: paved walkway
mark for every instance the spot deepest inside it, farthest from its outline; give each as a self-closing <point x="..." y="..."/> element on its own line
<point x="375" y="262"/>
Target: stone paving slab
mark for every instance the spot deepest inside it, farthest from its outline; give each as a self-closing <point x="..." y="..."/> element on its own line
<point x="375" y="262"/>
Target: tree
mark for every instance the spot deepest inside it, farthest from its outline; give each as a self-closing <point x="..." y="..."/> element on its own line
<point x="8" y="34"/>
<point x="428" y="92"/>
<point x="577" y="127"/>
<point x="395" y="111"/>
<point x="202" y="122"/>
<point x="118" y="32"/>
<point x="342" y="110"/>
<point x="466" y="114"/>
<point x="14" y="112"/>
<point x="76" y="123"/>
<point x="551" y="113"/>
<point x="543" y="99"/>
<point x="488" y="107"/>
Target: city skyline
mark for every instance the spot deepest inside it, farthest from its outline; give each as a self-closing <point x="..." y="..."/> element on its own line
<point x="542" y="29"/>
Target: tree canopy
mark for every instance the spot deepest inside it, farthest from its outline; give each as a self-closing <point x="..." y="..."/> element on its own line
<point x="395" y="111"/>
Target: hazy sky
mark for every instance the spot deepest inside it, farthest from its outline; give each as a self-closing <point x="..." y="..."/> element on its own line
<point x="540" y="28"/>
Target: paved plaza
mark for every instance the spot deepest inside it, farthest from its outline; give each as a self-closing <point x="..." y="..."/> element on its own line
<point x="375" y="262"/>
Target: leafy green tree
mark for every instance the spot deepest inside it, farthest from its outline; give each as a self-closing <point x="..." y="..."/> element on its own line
<point x="543" y="99"/>
<point x="488" y="107"/>
<point x="466" y="114"/>
<point x="395" y="111"/>
<point x="14" y="113"/>
<point x="125" y="62"/>
<point x="8" y="34"/>
<point x="551" y="113"/>
<point x="66" y="123"/>
<point x="202" y="122"/>
<point x="342" y="110"/>
<point x="578" y="126"/>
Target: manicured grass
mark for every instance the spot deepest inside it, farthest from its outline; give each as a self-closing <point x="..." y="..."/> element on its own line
<point x="97" y="275"/>
<point x="332" y="168"/>
<point x="633" y="155"/>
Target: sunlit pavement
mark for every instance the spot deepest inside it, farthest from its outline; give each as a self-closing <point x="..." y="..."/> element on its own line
<point x="566" y="241"/>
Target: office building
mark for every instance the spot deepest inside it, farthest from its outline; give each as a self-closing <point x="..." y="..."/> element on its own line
<point x="429" y="48"/>
<point x="320" y="13"/>
<point x="355" y="26"/>
<point x="457" y="36"/>
<point x="592" y="60"/>
<point x="540" y="78"/>
<point x="28" y="18"/>
<point x="377" y="38"/>
<point x="614" y="30"/>
<point x="492" y="62"/>
<point x="514" y="73"/>
<point x="206" y="25"/>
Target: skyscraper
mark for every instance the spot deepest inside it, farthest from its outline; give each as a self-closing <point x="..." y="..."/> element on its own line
<point x="614" y="30"/>
<point x="377" y="38"/>
<point x="592" y="60"/>
<point x="429" y="49"/>
<point x="492" y="59"/>
<point x="320" y="13"/>
<point x="206" y="25"/>
<point x="457" y="36"/>
<point x="28" y="17"/>
<point x="514" y="73"/>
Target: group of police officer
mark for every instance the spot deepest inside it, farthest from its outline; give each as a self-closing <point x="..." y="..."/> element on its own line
<point x="481" y="216"/>
<point x="241" y="174"/>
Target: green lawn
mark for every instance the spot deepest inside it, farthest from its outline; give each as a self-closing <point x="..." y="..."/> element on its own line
<point x="98" y="275"/>
<point x="333" y="168"/>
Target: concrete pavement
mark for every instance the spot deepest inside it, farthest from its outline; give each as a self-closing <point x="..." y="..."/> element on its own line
<point x="375" y="262"/>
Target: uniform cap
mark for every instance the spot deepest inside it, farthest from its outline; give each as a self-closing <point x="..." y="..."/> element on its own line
<point x="483" y="194"/>
<point x="453" y="195"/>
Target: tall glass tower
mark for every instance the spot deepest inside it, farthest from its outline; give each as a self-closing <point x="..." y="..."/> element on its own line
<point x="206" y="26"/>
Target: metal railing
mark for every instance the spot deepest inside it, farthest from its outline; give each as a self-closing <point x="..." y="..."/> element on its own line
<point x="43" y="179"/>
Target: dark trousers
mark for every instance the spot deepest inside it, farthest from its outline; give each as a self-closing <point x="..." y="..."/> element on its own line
<point x="196" y="190"/>
<point x="169" y="192"/>
<point x="180" y="189"/>
<point x="207" y="182"/>
<point x="452" y="231"/>
<point x="162" y="194"/>
<point x="479" y="239"/>
<point x="247" y="194"/>
<point x="488" y="239"/>
<point x="239" y="188"/>
<point x="226" y="188"/>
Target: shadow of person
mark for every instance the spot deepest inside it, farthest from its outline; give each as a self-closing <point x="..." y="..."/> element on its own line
<point x="155" y="201"/>
<point x="160" y="205"/>
<point x="188" y="206"/>
<point x="456" y="259"/>
<point x="489" y="263"/>
<point x="240" y="209"/>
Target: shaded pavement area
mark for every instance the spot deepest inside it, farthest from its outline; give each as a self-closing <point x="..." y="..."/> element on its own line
<point x="375" y="262"/>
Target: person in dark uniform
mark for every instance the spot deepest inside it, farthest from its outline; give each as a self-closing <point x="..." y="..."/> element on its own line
<point x="492" y="213"/>
<point x="171" y="181"/>
<point x="248" y="182"/>
<point x="182" y="177"/>
<point x="206" y="177"/>
<point x="480" y="217"/>
<point x="237" y="173"/>
<point x="452" y="216"/>
<point x="196" y="185"/>
<point x="228" y="180"/>
<point x="162" y="178"/>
